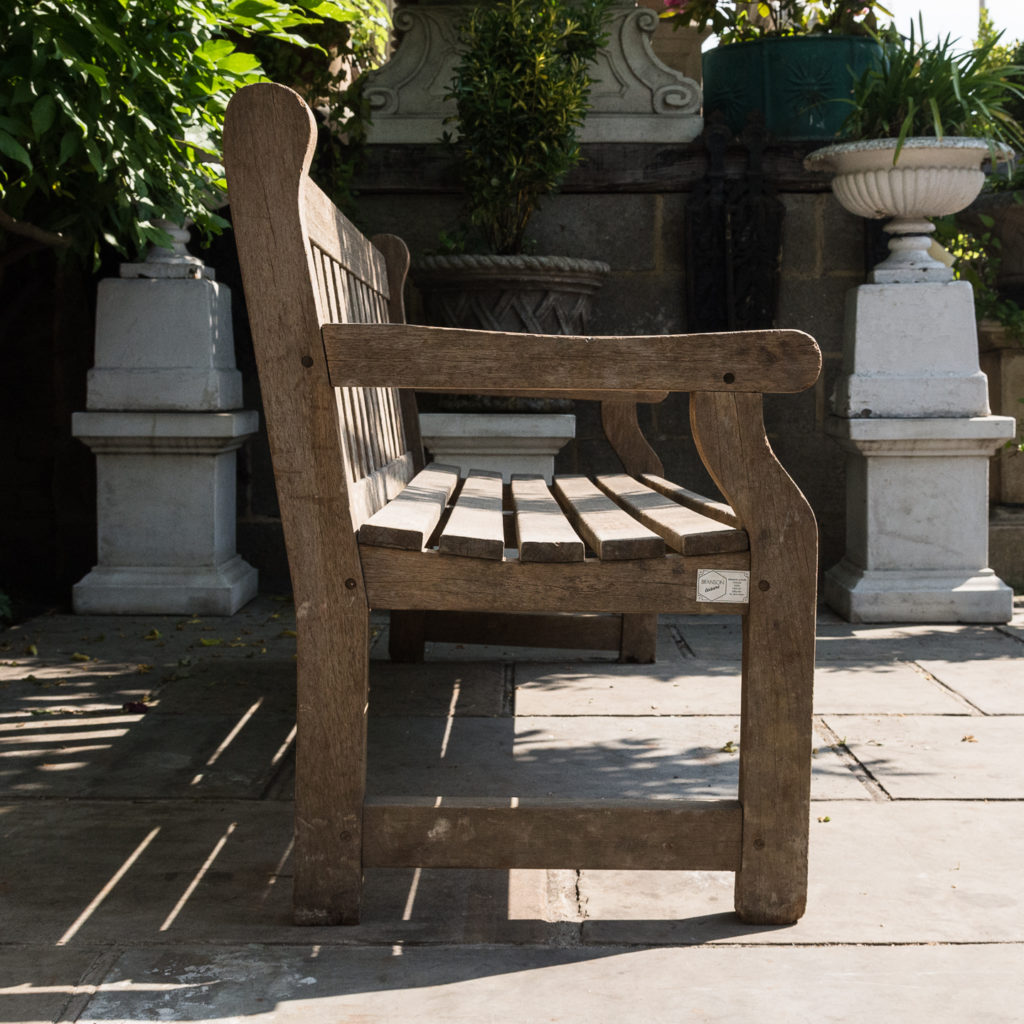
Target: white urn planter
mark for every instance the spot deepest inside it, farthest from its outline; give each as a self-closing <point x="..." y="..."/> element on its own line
<point x="928" y="178"/>
<point x="911" y="404"/>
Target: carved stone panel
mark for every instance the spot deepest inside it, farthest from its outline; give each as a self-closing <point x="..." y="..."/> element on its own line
<point x="635" y="97"/>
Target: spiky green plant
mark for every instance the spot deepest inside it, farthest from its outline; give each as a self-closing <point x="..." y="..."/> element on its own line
<point x="929" y="89"/>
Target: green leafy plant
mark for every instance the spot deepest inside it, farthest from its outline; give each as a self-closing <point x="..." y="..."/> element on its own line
<point x="739" y="21"/>
<point x="521" y="89"/>
<point x="329" y="73"/>
<point x="977" y="257"/>
<point x="111" y="110"/>
<point x="930" y="89"/>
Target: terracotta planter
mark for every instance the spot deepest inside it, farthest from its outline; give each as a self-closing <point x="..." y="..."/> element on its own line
<point x="930" y="178"/>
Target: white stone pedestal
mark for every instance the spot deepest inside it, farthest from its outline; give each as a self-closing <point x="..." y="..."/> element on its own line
<point x="504" y="443"/>
<point x="912" y="413"/>
<point x="164" y="423"/>
<point x="917" y="522"/>
<point x="165" y="485"/>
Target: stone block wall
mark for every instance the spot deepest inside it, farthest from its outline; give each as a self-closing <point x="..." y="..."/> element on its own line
<point x="626" y="206"/>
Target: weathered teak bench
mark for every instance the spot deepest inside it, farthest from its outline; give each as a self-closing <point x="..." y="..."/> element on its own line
<point x="365" y="528"/>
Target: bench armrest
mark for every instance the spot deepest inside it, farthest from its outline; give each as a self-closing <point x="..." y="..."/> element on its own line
<point x="432" y="358"/>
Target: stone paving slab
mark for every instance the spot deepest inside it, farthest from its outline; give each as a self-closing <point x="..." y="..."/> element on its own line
<point x="936" y="758"/>
<point x="588" y="758"/>
<point x="942" y="871"/>
<point x="705" y="686"/>
<point x="220" y="872"/>
<point x="132" y="756"/>
<point x="462" y="688"/>
<point x="501" y="985"/>
<point x="993" y="685"/>
<point x="40" y="985"/>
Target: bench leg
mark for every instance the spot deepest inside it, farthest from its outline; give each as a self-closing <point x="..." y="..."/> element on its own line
<point x="407" y="636"/>
<point x="775" y="777"/>
<point x="639" y="639"/>
<point x="330" y="768"/>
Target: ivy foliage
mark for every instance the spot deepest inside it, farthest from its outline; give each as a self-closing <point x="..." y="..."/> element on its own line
<point x="521" y="90"/>
<point x="111" y="110"/>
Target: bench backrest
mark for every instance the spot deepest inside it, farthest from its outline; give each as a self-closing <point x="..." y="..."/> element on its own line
<point x="304" y="264"/>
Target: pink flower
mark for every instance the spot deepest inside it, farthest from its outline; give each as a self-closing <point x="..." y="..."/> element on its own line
<point x="676" y="5"/>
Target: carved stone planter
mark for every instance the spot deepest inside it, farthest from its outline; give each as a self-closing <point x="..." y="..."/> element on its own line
<point x="524" y="294"/>
<point x="531" y="294"/>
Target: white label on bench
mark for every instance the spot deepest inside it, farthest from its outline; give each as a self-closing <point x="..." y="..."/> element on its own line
<point x="730" y="586"/>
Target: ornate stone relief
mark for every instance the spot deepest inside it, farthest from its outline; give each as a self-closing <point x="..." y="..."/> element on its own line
<point x="635" y="97"/>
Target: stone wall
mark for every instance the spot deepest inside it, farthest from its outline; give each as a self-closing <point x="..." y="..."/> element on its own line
<point x="626" y="206"/>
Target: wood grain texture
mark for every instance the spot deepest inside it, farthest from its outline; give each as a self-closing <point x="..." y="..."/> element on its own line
<point x="621" y="427"/>
<point x="396" y="260"/>
<point x="408" y="521"/>
<point x="537" y="833"/>
<point x="639" y="644"/>
<point x="708" y="507"/>
<point x="778" y="654"/>
<point x="543" y="534"/>
<point x="610" y="532"/>
<point x="341" y="452"/>
<point x="475" y="528"/>
<point x="429" y="580"/>
<point x="268" y="143"/>
<point x="681" y="528"/>
<point x="399" y="355"/>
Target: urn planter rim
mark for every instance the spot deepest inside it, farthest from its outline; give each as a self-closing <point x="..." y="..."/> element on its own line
<point x="518" y="261"/>
<point x="830" y="158"/>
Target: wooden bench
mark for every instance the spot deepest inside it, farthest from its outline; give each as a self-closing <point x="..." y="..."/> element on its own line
<point x="367" y="526"/>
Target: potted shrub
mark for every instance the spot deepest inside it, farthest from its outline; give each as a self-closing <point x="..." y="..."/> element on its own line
<point x="922" y="124"/>
<point x="521" y="90"/>
<point x="791" y="60"/>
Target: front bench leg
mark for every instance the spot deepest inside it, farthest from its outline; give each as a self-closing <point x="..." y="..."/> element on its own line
<point x="330" y="763"/>
<point x="778" y="654"/>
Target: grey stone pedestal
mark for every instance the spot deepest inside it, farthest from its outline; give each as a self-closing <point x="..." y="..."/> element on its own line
<point x="164" y="424"/>
<point x="913" y="417"/>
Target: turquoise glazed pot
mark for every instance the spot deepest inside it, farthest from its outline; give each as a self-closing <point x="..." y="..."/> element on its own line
<point x="798" y="82"/>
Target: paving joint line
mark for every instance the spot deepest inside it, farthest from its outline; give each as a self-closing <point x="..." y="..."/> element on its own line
<point x="879" y="794"/>
<point x="974" y="710"/>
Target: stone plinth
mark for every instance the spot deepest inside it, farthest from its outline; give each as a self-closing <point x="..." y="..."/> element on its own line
<point x="165" y="485"/>
<point x="164" y="344"/>
<point x="164" y="424"/>
<point x="917" y="521"/>
<point x="505" y="443"/>
<point x="913" y="415"/>
<point x="911" y="350"/>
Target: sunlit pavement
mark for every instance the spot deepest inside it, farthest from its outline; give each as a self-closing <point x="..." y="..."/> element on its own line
<point x="146" y="767"/>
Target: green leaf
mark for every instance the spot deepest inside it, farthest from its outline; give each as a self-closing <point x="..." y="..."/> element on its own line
<point x="44" y="111"/>
<point x="239" y="63"/>
<point x="69" y="144"/>
<point x="14" y="149"/>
